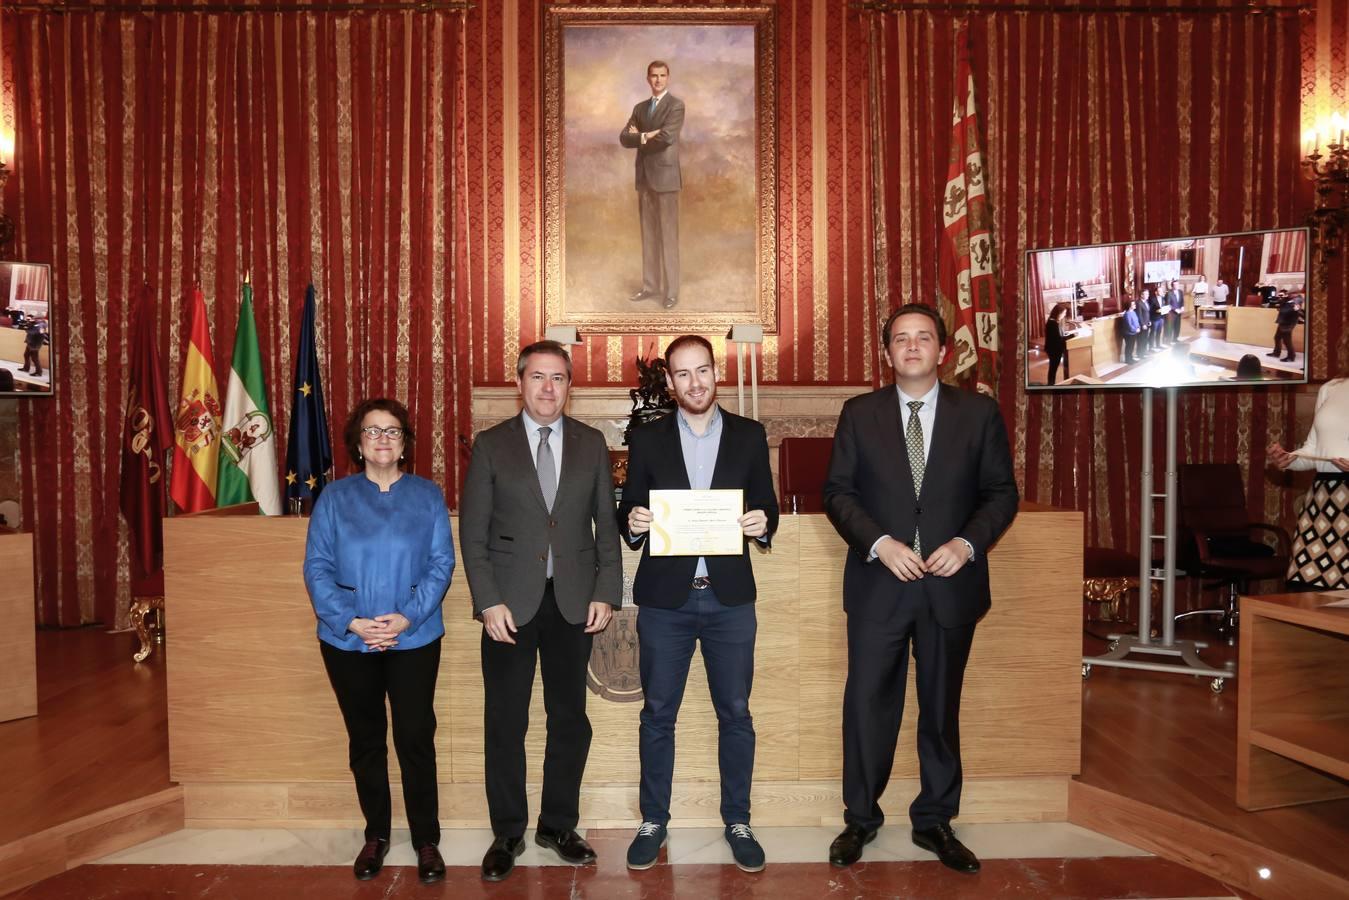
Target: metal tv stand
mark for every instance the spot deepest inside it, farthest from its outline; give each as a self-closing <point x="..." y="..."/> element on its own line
<point x="1183" y="655"/>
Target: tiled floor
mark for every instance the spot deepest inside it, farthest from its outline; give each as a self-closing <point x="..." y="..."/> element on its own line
<point x="1039" y="861"/>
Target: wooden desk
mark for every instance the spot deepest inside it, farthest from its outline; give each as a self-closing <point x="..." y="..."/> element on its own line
<point x="18" y="655"/>
<point x="1210" y="314"/>
<point x="1079" y="355"/>
<point x="1255" y="325"/>
<point x="1292" y="701"/>
<point x="12" y="345"/>
<point x="256" y="739"/>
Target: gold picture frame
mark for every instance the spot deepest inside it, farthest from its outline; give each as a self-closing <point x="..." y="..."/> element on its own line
<point x="728" y="201"/>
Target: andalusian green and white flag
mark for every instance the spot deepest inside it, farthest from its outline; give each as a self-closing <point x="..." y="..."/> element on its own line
<point x="248" y="446"/>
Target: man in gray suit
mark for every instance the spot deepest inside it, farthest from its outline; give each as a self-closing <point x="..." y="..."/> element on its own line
<point x="653" y="131"/>
<point x="540" y="546"/>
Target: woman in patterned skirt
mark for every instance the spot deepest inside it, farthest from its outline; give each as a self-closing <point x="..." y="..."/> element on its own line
<point x="1321" y="543"/>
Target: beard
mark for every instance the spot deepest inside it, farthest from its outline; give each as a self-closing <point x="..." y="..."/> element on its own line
<point x="700" y="406"/>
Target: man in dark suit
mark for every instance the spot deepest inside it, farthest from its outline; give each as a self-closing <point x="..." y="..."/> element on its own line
<point x="920" y="486"/>
<point x="685" y="600"/>
<point x="540" y="546"/>
<point x="653" y="131"/>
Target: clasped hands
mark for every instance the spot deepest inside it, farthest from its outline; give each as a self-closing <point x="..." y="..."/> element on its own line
<point x="906" y="565"/>
<point x="499" y="624"/>
<point x="381" y="632"/>
<point x="1283" y="459"/>
<point x="753" y="524"/>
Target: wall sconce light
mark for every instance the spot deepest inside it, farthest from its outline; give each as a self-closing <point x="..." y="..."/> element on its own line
<point x="1326" y="159"/>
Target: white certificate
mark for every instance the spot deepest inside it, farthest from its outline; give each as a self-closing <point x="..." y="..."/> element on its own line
<point x="697" y="523"/>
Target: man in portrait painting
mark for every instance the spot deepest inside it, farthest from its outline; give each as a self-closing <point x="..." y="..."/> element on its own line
<point x="653" y="131"/>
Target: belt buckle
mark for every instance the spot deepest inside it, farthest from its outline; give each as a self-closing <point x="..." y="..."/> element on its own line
<point x="701" y="583"/>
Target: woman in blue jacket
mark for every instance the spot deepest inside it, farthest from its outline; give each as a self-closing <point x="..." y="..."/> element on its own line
<point x="377" y="564"/>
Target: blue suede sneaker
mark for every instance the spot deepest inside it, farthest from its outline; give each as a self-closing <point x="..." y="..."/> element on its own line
<point x="746" y="850"/>
<point x="645" y="847"/>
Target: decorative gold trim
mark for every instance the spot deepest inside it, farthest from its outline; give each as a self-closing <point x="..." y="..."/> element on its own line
<point x="140" y="614"/>
<point x="764" y="19"/>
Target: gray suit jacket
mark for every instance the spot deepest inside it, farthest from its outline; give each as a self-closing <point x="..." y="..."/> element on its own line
<point x="505" y="530"/>
<point x="658" y="158"/>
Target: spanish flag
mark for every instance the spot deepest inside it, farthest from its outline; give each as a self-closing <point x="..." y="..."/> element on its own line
<point x="197" y="425"/>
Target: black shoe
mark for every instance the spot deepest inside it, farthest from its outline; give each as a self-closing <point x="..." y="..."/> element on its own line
<point x="430" y="865"/>
<point x="670" y="301"/>
<point x="1289" y="359"/>
<point x="371" y="859"/>
<point x="1275" y="353"/>
<point x="568" y="845"/>
<point x="941" y="840"/>
<point x="644" y="295"/>
<point x="847" y="847"/>
<point x="500" y="858"/>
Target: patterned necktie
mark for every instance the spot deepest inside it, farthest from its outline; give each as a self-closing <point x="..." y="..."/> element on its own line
<point x="914" y="437"/>
<point x="543" y="461"/>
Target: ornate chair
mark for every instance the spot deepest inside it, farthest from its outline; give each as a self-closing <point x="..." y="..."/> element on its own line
<point x="1224" y="544"/>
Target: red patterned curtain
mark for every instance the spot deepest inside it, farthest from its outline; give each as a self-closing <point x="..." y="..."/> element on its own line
<point x="182" y="149"/>
<point x="1100" y="127"/>
<point x="1288" y="252"/>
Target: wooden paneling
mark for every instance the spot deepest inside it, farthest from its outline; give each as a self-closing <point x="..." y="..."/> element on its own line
<point x="1231" y="859"/>
<point x="31" y="859"/>
<point x="255" y="733"/>
<point x="1255" y="325"/>
<point x="1293" y="706"/>
<point x="18" y="654"/>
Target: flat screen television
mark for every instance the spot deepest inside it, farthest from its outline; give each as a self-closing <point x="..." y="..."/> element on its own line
<point x="1182" y="312"/>
<point x="25" y="329"/>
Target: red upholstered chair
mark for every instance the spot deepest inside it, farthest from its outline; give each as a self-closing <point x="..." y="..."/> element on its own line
<point x="803" y="466"/>
<point x="1223" y="543"/>
<point x="1089" y="309"/>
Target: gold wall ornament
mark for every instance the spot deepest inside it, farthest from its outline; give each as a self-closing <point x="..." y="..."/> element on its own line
<point x="1326" y="161"/>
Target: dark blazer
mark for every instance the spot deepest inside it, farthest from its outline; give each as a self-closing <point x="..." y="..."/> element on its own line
<point x="969" y="491"/>
<point x="1055" y="343"/>
<point x="505" y="529"/>
<point x="656" y="462"/>
<point x="657" y="159"/>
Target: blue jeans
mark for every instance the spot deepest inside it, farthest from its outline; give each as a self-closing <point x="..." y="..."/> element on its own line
<point x="666" y="638"/>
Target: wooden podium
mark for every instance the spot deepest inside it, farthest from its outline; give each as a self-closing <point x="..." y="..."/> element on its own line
<point x="18" y="644"/>
<point x="256" y="739"/>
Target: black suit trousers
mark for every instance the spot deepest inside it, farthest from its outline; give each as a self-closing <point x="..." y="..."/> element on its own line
<point x="563" y="650"/>
<point x="408" y="677"/>
<point x="873" y="708"/>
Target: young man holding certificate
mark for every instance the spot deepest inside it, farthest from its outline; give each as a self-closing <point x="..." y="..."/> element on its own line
<point x="694" y="584"/>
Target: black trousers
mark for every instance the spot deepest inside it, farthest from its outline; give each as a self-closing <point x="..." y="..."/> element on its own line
<point x="361" y="681"/>
<point x="1054" y="360"/>
<point x="659" y="214"/>
<point x="1283" y="337"/>
<point x="873" y="708"/>
<point x="563" y="650"/>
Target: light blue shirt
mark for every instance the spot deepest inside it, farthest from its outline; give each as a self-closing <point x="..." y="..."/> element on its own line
<point x="371" y="552"/>
<point x="554" y="443"/>
<point x="700" y="459"/>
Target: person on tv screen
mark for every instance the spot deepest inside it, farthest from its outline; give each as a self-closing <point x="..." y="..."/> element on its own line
<point x="1056" y="340"/>
<point x="1156" y="312"/>
<point x="1289" y="317"/>
<point x="1132" y="332"/>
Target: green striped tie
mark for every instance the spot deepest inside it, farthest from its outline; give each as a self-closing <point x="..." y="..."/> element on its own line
<point x="914" y="436"/>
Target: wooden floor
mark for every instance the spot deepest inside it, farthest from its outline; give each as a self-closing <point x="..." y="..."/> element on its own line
<point x="100" y="738"/>
<point x="1170" y="742"/>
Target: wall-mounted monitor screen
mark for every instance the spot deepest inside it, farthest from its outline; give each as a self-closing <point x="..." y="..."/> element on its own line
<point x="1220" y="309"/>
<point x="25" y="329"/>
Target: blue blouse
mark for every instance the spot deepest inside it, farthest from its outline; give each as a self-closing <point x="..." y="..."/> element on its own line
<point x="372" y="552"/>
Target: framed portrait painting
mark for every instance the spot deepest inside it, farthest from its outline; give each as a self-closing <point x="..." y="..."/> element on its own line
<point x="660" y="175"/>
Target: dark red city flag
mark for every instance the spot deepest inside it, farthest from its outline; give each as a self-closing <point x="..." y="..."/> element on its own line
<point x="147" y="435"/>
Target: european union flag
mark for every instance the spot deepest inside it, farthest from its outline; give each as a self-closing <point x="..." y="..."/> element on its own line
<point x="309" y="453"/>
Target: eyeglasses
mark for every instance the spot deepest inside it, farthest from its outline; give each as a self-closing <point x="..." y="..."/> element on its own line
<point x="393" y="432"/>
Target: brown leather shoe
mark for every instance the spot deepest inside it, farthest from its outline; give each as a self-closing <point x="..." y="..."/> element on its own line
<point x="941" y="840"/>
<point x="430" y="865"/>
<point x="371" y="859"/>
